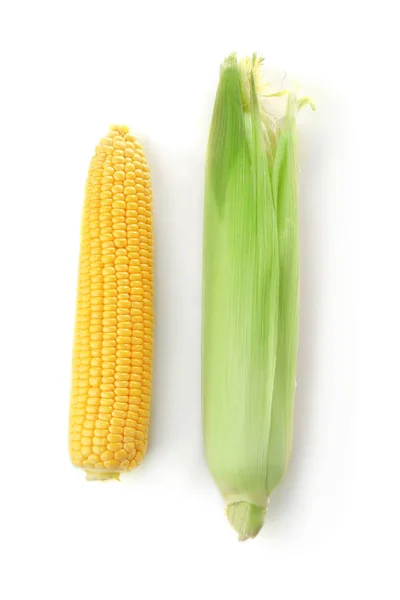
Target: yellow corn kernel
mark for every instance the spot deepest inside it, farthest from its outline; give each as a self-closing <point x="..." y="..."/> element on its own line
<point x="114" y="316"/>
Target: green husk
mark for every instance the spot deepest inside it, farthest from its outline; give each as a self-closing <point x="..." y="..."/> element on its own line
<point x="250" y="294"/>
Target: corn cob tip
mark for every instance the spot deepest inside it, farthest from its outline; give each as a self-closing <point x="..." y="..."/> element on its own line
<point x="120" y="128"/>
<point x="101" y="476"/>
<point x="246" y="519"/>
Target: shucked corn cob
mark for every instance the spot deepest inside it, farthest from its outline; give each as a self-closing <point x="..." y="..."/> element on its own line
<point x="112" y="357"/>
<point x="250" y="292"/>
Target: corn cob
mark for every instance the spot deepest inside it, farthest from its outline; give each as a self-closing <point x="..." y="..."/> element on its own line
<point x="112" y="356"/>
<point x="250" y="293"/>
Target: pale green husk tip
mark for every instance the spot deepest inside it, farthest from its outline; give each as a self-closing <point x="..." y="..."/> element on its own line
<point x="247" y="519"/>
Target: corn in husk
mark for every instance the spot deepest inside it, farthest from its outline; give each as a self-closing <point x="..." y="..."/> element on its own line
<point x="250" y="291"/>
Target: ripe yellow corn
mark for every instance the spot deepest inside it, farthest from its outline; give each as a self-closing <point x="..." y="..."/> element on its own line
<point x="112" y="357"/>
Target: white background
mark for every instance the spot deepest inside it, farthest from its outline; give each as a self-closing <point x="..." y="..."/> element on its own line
<point x="68" y="70"/>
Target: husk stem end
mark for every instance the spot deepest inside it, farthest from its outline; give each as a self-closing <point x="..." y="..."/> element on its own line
<point x="246" y="519"/>
<point x="101" y="476"/>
